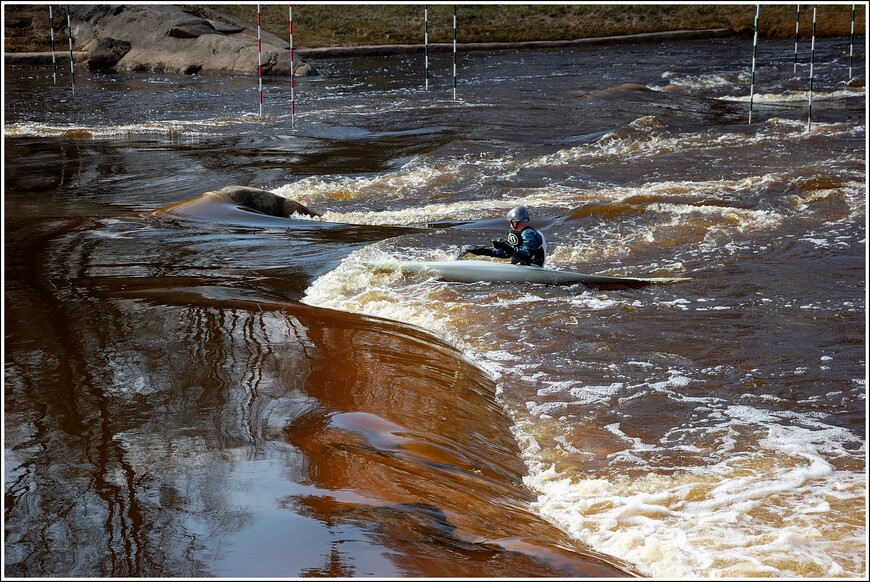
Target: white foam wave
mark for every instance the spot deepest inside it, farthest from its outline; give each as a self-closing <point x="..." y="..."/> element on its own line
<point x="170" y="129"/>
<point x="351" y="200"/>
<point x="644" y="138"/>
<point x="712" y="83"/>
<point x="797" y="96"/>
<point x="732" y="519"/>
<point x="358" y="285"/>
<point x="468" y="210"/>
<point x="416" y="180"/>
<point x="767" y="503"/>
<point x="703" y="82"/>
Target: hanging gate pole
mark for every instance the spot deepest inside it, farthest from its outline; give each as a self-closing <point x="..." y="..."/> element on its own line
<point x="454" y="52"/>
<point x="72" y="67"/>
<point x="812" y="59"/>
<point x="292" y="72"/>
<point x="754" y="52"/>
<point x="797" y="26"/>
<point x="53" y="59"/>
<point x="260" y="60"/>
<point x="426" y="42"/>
<point x="851" y="42"/>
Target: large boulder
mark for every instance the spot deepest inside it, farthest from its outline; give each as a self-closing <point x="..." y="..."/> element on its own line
<point x="192" y="29"/>
<point x="169" y="39"/>
<point x="262" y="201"/>
<point x="243" y="197"/>
<point x="106" y="52"/>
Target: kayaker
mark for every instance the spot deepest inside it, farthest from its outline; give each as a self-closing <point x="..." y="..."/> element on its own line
<point x="524" y="244"/>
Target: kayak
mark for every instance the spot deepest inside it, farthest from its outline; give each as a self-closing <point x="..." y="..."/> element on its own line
<point x="478" y="271"/>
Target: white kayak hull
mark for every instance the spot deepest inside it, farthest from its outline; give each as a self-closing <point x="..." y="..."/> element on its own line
<point x="478" y="271"/>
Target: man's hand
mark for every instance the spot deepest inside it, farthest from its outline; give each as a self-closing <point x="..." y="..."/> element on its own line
<point x="503" y="245"/>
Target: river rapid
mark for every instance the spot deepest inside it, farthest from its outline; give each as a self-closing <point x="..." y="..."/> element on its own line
<point x="213" y="392"/>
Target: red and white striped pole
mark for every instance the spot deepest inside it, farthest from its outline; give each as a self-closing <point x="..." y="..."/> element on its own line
<point x="812" y="62"/>
<point x="292" y="72"/>
<point x="54" y="60"/>
<point x="72" y="66"/>
<point x="426" y="42"/>
<point x="851" y="41"/>
<point x="260" y="60"/>
<point x="797" y="27"/>
<point x="454" y="52"/>
<point x="754" y="52"/>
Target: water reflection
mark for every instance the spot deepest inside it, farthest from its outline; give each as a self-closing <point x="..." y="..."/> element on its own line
<point x="165" y="413"/>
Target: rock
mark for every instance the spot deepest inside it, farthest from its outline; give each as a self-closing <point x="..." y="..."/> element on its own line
<point x="303" y="69"/>
<point x="194" y="29"/>
<point x="95" y="13"/>
<point x="262" y="201"/>
<point x="106" y="52"/>
<point x="168" y="39"/>
<point x="225" y="28"/>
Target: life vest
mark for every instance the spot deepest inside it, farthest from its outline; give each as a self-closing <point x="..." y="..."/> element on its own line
<point x="539" y="253"/>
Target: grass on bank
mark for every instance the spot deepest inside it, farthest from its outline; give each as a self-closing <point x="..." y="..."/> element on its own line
<point x="322" y="25"/>
<point x="348" y="25"/>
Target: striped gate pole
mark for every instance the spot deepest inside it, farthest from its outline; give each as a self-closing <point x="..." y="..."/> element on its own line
<point x="292" y="72"/>
<point x="53" y="59"/>
<point x="797" y="26"/>
<point x="851" y="42"/>
<point x="72" y="67"/>
<point x="426" y="42"/>
<point x="754" y="52"/>
<point x="812" y="59"/>
<point x="260" y="60"/>
<point x="454" y="52"/>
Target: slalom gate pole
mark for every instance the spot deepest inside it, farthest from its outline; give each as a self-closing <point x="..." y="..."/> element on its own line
<point x="754" y="52"/>
<point x="292" y="72"/>
<point x="72" y="66"/>
<point x="797" y="26"/>
<point x="454" y="52"/>
<point x="851" y="42"/>
<point x="260" y="60"/>
<point x="53" y="59"/>
<point x="812" y="59"/>
<point x="426" y="42"/>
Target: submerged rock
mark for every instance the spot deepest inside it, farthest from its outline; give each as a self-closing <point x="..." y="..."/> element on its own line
<point x="262" y="201"/>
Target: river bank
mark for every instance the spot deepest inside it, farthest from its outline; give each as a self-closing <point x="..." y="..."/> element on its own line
<point x="27" y="27"/>
<point x="46" y="58"/>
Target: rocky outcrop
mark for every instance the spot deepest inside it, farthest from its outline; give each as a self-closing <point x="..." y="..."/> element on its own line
<point x="106" y="53"/>
<point x="212" y="205"/>
<point x="262" y="201"/>
<point x="192" y="29"/>
<point x="171" y="39"/>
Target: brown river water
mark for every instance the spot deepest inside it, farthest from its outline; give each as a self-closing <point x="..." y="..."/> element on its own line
<point x="201" y="390"/>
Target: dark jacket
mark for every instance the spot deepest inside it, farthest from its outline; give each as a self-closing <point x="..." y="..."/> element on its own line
<point x="522" y="248"/>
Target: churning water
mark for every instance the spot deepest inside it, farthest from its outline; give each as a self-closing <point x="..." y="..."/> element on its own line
<point x="223" y="393"/>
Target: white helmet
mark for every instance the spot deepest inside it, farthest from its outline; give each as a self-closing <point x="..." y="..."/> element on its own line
<point x="518" y="214"/>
